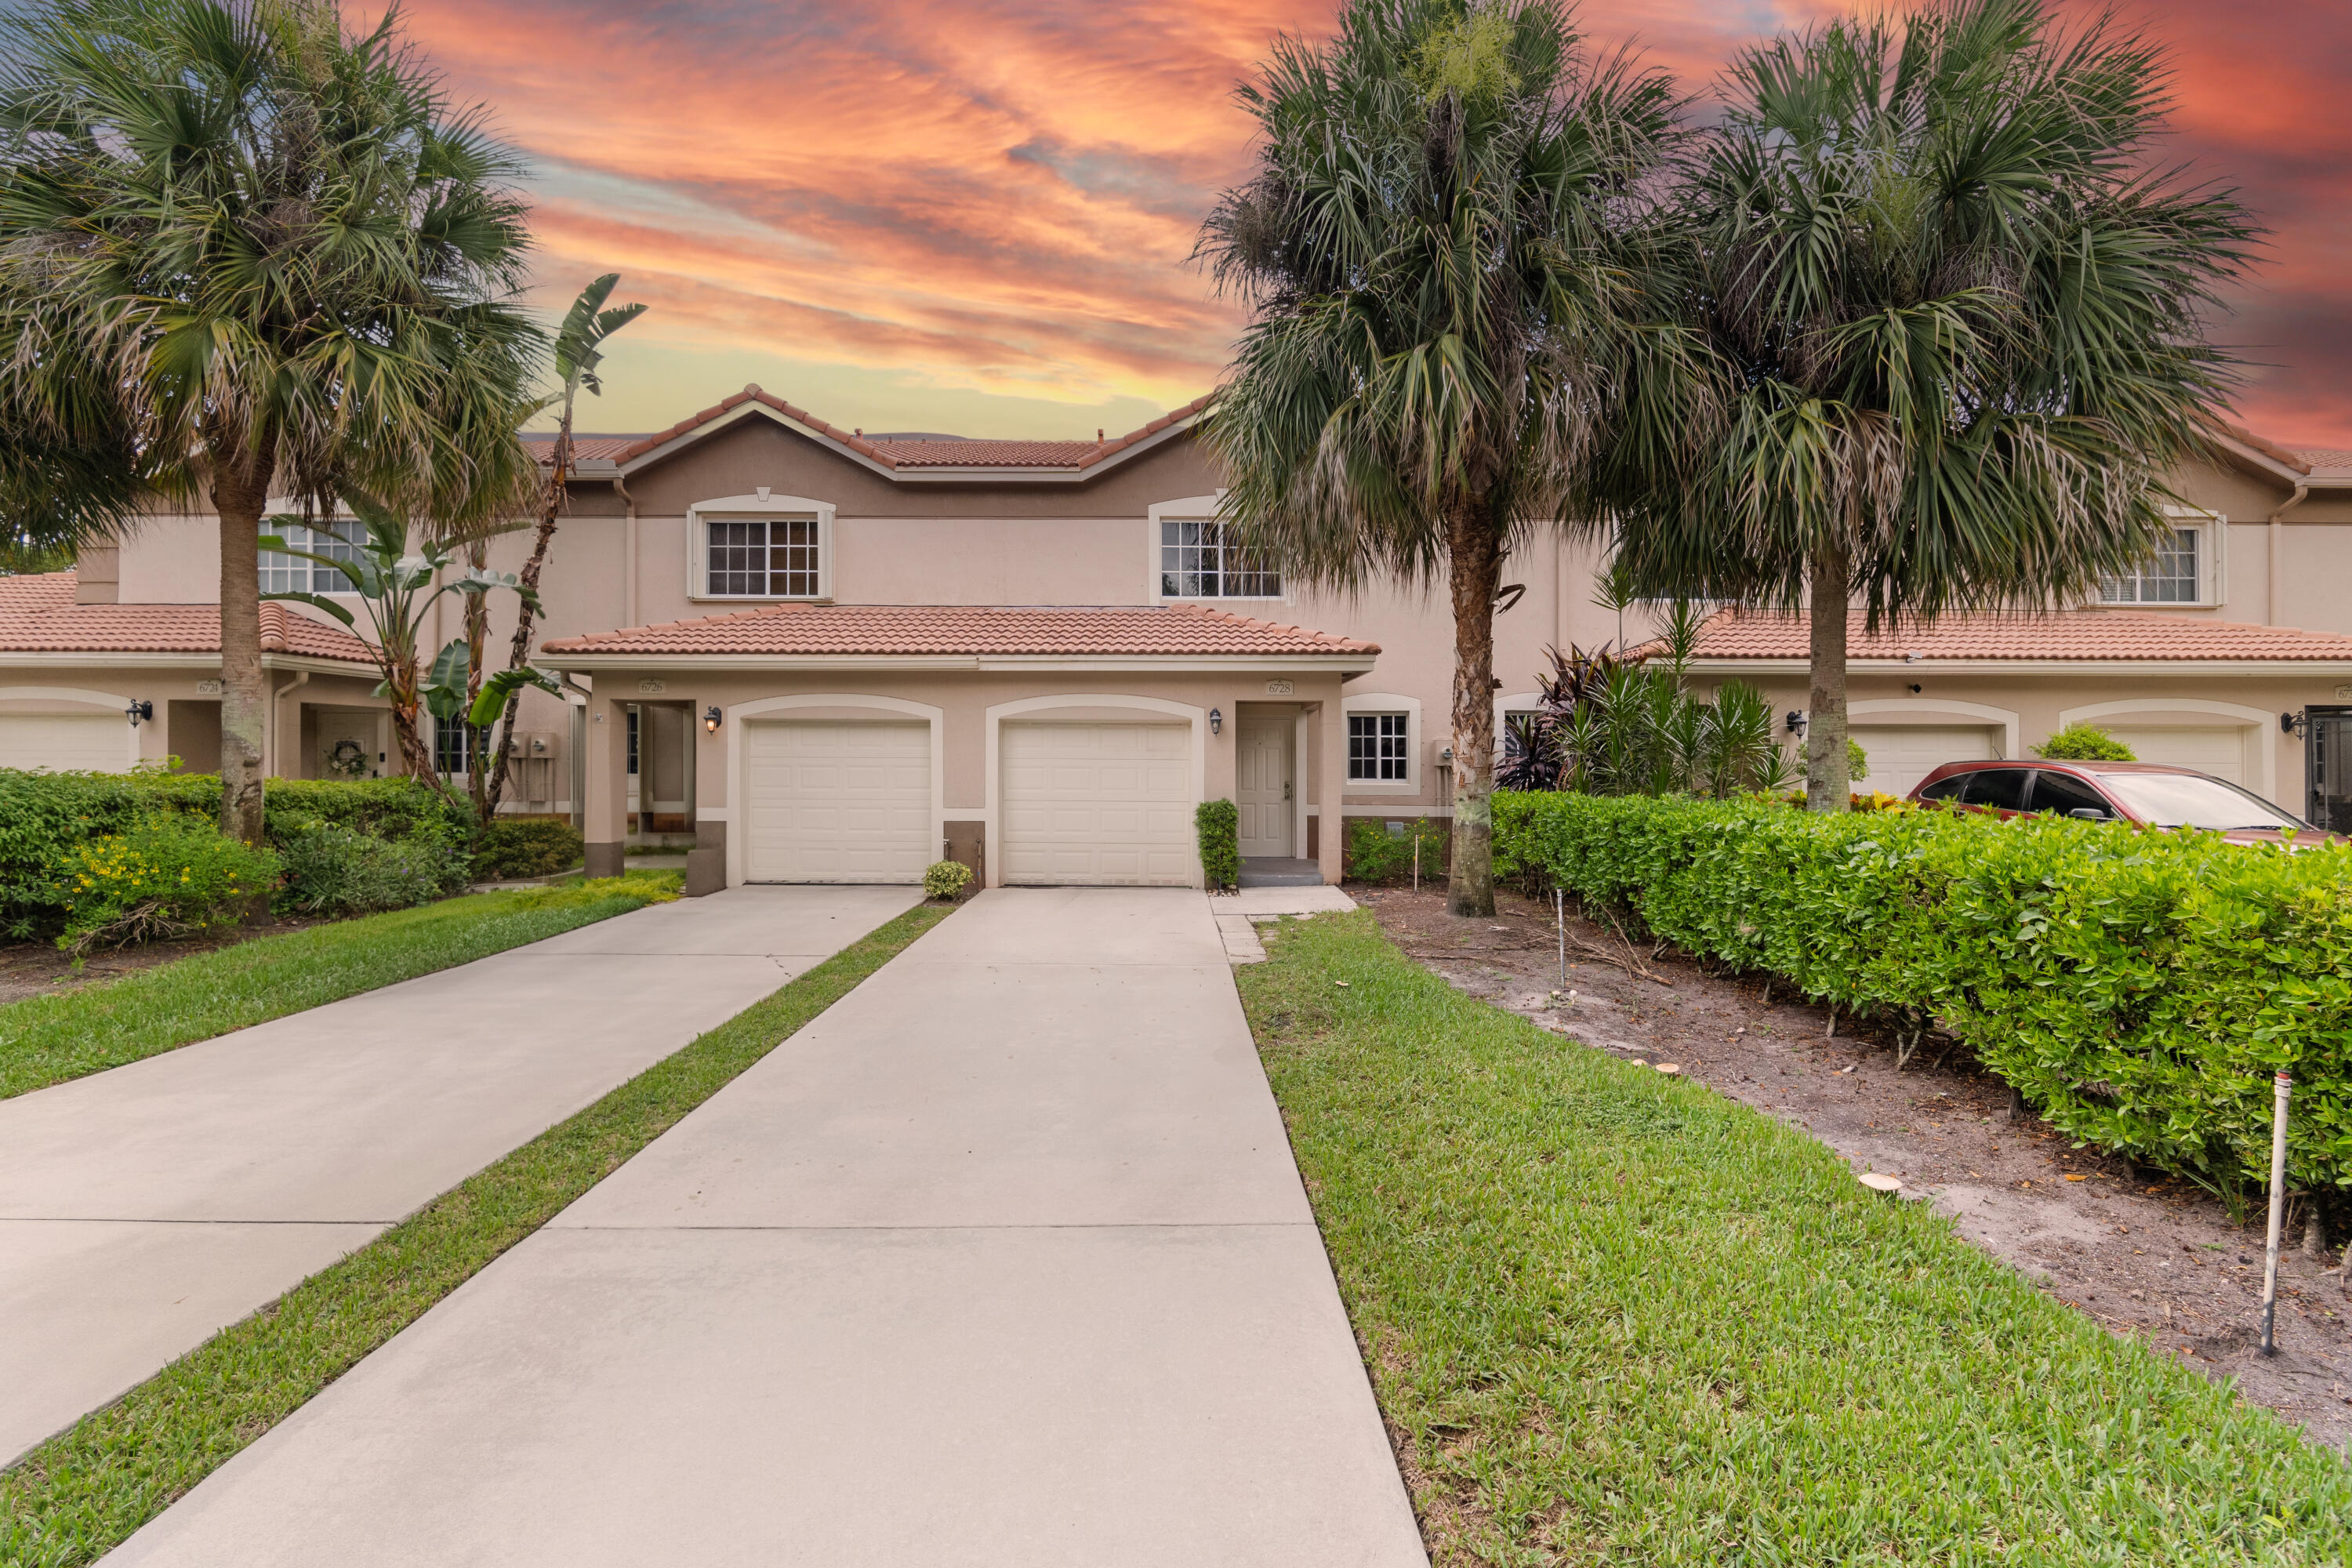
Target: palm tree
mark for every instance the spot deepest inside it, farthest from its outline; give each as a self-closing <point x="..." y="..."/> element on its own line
<point x="245" y="252"/>
<point x="1441" y="250"/>
<point x="1944" y="332"/>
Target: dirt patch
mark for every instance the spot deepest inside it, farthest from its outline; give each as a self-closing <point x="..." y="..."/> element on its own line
<point x="40" y="969"/>
<point x="2143" y="1255"/>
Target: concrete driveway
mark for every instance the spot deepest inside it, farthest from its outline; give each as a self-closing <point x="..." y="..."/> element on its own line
<point x="1003" y="1260"/>
<point x="142" y="1209"/>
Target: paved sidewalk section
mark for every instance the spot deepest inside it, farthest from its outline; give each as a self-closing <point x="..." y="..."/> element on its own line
<point x="1240" y="913"/>
<point x="144" y="1208"/>
<point x="1002" y="1261"/>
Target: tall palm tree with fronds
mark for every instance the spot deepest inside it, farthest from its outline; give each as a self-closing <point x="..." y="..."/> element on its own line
<point x="1443" y="251"/>
<point x="246" y="252"/>
<point x="1947" y="327"/>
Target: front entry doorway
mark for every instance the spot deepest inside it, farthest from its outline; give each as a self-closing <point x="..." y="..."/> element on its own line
<point x="1262" y="787"/>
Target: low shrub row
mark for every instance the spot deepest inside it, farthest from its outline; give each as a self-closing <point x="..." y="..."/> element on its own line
<point x="2139" y="988"/>
<point x="1376" y="854"/>
<point x="108" y="859"/>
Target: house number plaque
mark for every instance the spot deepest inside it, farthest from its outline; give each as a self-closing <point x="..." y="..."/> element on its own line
<point x="652" y="687"/>
<point x="1278" y="689"/>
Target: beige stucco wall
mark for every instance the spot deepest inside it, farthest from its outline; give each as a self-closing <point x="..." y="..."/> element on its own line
<point x="111" y="688"/>
<point x="959" y="704"/>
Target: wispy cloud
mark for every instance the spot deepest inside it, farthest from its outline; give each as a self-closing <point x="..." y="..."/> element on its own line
<point x="976" y="213"/>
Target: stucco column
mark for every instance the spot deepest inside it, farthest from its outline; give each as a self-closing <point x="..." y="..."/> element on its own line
<point x="1330" y="779"/>
<point x="705" y="863"/>
<point x="606" y="822"/>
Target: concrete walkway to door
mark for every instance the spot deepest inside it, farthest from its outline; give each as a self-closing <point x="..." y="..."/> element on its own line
<point x="142" y="1209"/>
<point x="1003" y="1260"/>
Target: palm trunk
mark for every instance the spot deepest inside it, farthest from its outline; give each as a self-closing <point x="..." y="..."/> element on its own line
<point x="1826" y="783"/>
<point x="240" y="497"/>
<point x="477" y="649"/>
<point x="519" y="654"/>
<point x="1475" y="567"/>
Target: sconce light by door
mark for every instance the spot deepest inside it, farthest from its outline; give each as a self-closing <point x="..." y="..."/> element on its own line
<point x="1216" y="722"/>
<point x="711" y="718"/>
<point x="139" y="711"/>
<point x="1796" y="722"/>
<point x="2293" y="723"/>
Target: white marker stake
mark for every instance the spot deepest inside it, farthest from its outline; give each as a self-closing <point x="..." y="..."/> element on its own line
<point x="2284" y="1086"/>
<point x="1559" y="914"/>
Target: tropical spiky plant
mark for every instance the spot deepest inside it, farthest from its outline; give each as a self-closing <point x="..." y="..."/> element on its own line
<point x="1945" y="333"/>
<point x="248" y="253"/>
<point x="1444" y="251"/>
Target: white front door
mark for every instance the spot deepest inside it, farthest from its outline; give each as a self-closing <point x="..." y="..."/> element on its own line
<point x="838" y="802"/>
<point x="1262" y="787"/>
<point x="66" y="742"/>
<point x="1106" y="805"/>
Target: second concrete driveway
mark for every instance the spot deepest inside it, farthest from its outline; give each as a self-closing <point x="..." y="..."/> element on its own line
<point x="142" y="1209"/>
<point x="1003" y="1260"/>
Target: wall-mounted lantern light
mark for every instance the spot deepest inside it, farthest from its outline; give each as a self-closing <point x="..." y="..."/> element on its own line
<point x="2293" y="723"/>
<point x="138" y="711"/>
<point x="1216" y="720"/>
<point x="711" y="717"/>
<point x="1796" y="723"/>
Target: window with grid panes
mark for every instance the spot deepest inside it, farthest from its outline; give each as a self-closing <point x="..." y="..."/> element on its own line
<point x="1198" y="562"/>
<point x="764" y="558"/>
<point x="2171" y="578"/>
<point x="1376" y="748"/>
<point x="283" y="573"/>
<point x="453" y="747"/>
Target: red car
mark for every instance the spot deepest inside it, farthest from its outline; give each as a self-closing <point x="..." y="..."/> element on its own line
<point x="2148" y="793"/>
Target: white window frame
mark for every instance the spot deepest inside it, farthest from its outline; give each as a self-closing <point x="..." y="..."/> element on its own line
<point x="1372" y="702"/>
<point x="335" y="583"/>
<point x="2212" y="531"/>
<point x="1192" y="508"/>
<point x="764" y="506"/>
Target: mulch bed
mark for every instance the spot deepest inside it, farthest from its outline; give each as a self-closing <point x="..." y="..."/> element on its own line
<point x="2144" y="1255"/>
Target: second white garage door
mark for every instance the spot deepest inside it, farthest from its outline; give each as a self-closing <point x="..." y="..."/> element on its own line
<point x="838" y="802"/>
<point x="1098" y="804"/>
<point x="2221" y="752"/>
<point x="1901" y="755"/>
<point x="64" y="742"/>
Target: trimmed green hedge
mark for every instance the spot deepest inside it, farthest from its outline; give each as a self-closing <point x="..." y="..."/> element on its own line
<point x="2139" y="988"/>
<point x="1218" y="824"/>
<point x="527" y="846"/>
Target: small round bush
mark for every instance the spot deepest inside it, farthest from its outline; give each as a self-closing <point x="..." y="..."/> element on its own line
<point x="526" y="846"/>
<point x="946" y="879"/>
<point x="2085" y="744"/>
<point x="332" y="870"/>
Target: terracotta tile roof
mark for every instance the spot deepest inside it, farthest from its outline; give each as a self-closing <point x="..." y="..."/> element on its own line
<point x="2324" y="457"/>
<point x="583" y="448"/>
<point x="2093" y="635"/>
<point x="899" y="452"/>
<point x="37" y="615"/>
<point x="1010" y="630"/>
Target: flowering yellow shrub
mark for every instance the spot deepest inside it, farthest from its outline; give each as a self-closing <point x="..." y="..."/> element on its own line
<point x="166" y="875"/>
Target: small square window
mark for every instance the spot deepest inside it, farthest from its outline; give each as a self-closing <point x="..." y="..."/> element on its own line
<point x="1376" y="748"/>
<point x="2175" y="576"/>
<point x="1198" y="562"/>
<point x="767" y="558"/>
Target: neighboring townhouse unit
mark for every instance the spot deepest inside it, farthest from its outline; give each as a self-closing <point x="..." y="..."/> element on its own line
<point x="820" y="655"/>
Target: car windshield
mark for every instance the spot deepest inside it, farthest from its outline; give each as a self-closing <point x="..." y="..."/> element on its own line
<point x="2187" y="800"/>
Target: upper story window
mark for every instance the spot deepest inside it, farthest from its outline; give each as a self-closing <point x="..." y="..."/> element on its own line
<point x="1376" y="747"/>
<point x="768" y="558"/>
<point x="2176" y="575"/>
<point x="1197" y="561"/>
<point x="283" y="573"/>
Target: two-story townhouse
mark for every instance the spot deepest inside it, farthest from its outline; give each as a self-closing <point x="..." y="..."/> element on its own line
<point x="824" y="654"/>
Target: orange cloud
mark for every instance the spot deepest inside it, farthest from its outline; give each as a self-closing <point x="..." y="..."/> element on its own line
<point x="998" y="196"/>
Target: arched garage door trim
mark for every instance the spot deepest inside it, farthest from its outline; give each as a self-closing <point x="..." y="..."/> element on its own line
<point x="1031" y="707"/>
<point x="2256" y="721"/>
<point x="769" y="707"/>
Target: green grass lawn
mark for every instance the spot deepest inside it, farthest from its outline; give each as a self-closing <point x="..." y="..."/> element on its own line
<point x="48" y="1039"/>
<point x="1617" y="1317"/>
<point x="84" y="1492"/>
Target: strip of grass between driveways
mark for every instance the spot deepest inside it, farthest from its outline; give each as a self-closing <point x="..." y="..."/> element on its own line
<point x="49" y="1039"/>
<point x="85" y="1490"/>
<point x="1615" y="1317"/>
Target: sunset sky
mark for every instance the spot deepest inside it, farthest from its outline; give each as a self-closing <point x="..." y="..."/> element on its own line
<point x="973" y="216"/>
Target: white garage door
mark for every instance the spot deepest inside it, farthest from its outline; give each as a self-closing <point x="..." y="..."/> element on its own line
<point x="1902" y="754"/>
<point x="61" y="742"/>
<point x="1098" y="804"/>
<point x="2218" y="752"/>
<point x="838" y="802"/>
